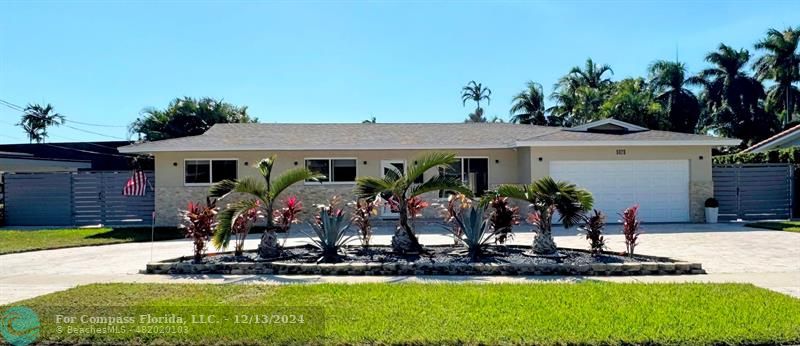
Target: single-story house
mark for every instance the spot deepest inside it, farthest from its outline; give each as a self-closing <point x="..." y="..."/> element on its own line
<point x="784" y="139"/>
<point x="667" y="173"/>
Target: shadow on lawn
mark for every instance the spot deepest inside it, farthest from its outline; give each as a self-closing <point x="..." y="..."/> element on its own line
<point x="140" y="234"/>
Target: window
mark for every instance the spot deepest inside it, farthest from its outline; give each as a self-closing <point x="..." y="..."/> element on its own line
<point x="209" y="171"/>
<point x="335" y="170"/>
<point x="473" y="172"/>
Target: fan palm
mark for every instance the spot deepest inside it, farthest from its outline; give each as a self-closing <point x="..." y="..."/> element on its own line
<point x="733" y="100"/>
<point x="546" y="197"/>
<point x="668" y="79"/>
<point x="528" y="106"/>
<point x="37" y="119"/>
<point x="403" y="186"/>
<point x="263" y="194"/>
<point x="781" y="64"/>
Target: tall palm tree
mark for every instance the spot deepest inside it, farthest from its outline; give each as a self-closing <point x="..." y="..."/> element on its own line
<point x="579" y="94"/>
<point x="475" y="92"/>
<point x="781" y="63"/>
<point x="37" y="119"/>
<point x="528" y="106"/>
<point x="669" y="81"/>
<point x="263" y="193"/>
<point x="403" y="186"/>
<point x="733" y="100"/>
<point x="547" y="196"/>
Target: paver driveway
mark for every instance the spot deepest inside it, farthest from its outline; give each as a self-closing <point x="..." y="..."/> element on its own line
<point x="729" y="253"/>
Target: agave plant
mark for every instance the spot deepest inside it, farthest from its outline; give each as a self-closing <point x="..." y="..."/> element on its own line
<point x="198" y="222"/>
<point x="266" y="191"/>
<point x="456" y="204"/>
<point x="476" y="231"/>
<point x="330" y="233"/>
<point x="546" y="197"/>
<point x="404" y="186"/>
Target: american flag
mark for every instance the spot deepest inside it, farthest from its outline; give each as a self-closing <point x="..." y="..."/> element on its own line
<point x="136" y="185"/>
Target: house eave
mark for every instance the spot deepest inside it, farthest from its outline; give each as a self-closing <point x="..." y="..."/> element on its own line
<point x="136" y="150"/>
<point x="657" y="143"/>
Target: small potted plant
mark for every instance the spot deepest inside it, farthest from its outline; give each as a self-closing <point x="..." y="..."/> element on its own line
<point x="712" y="210"/>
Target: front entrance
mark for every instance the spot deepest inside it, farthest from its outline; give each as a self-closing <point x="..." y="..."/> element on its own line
<point x="386" y="166"/>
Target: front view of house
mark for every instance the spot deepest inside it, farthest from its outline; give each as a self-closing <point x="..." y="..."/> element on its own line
<point x="667" y="173"/>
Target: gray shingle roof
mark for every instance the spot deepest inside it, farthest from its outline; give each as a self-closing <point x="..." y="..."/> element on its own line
<point x="384" y="136"/>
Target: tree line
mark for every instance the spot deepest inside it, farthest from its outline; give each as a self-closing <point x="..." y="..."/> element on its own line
<point x="732" y="98"/>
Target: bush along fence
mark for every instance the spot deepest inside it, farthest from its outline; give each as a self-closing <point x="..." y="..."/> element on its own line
<point x="787" y="155"/>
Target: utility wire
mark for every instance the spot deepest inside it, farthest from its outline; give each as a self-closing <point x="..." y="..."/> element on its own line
<point x="19" y="108"/>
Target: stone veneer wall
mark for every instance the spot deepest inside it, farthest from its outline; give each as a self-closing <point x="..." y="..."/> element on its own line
<point x="699" y="191"/>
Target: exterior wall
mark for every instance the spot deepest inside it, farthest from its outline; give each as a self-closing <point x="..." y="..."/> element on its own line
<point x="172" y="194"/>
<point x="700" y="181"/>
<point x="524" y="164"/>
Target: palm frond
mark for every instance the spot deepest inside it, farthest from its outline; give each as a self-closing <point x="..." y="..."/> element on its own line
<point x="225" y="220"/>
<point x="291" y="177"/>
<point x="369" y="187"/>
<point x="440" y="183"/>
<point x="429" y="161"/>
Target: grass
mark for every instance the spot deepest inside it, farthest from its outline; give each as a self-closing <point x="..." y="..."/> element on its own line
<point x="12" y="241"/>
<point x="788" y="226"/>
<point x="584" y="313"/>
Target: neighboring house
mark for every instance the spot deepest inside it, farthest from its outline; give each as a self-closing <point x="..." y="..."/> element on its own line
<point x="667" y="173"/>
<point x="69" y="156"/>
<point x="785" y="139"/>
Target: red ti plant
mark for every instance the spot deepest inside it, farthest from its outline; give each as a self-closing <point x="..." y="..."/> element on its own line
<point x="457" y="203"/>
<point x="594" y="231"/>
<point x="242" y="224"/>
<point x="198" y="222"/>
<point x="283" y="218"/>
<point x="504" y="217"/>
<point x="363" y="210"/>
<point x="630" y="227"/>
<point x="415" y="206"/>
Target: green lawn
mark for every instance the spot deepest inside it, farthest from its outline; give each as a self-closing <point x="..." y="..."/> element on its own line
<point x="583" y="313"/>
<point x="12" y="241"/>
<point x="789" y="226"/>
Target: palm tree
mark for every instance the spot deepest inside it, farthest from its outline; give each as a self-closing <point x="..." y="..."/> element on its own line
<point x="263" y="194"/>
<point x="403" y="186"/>
<point x="528" y="106"/>
<point x="475" y="92"/>
<point x="37" y="119"/>
<point x="668" y="79"/>
<point x="579" y="94"/>
<point x="591" y="75"/>
<point x="371" y="120"/>
<point x="733" y="100"/>
<point x="781" y="64"/>
<point x="547" y="196"/>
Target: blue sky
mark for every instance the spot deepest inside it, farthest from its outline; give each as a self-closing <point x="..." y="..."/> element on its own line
<point x="338" y="61"/>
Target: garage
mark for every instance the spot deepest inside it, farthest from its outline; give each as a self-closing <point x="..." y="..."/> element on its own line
<point x="660" y="187"/>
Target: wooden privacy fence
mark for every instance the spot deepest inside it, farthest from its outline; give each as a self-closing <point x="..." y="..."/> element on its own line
<point x="754" y="191"/>
<point x="76" y="198"/>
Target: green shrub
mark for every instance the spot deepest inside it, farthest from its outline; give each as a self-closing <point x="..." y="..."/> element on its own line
<point x="785" y="155"/>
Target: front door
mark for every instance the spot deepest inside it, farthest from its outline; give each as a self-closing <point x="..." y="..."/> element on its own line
<point x="386" y="165"/>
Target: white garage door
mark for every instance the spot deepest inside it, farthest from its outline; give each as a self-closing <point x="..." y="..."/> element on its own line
<point x="661" y="188"/>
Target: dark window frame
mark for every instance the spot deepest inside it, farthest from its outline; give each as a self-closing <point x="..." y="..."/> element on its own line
<point x="209" y="163"/>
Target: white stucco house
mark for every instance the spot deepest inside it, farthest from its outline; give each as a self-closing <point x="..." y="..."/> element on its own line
<point x="784" y="139"/>
<point x="667" y="173"/>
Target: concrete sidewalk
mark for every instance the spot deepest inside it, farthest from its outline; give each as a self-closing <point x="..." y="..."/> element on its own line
<point x="728" y="252"/>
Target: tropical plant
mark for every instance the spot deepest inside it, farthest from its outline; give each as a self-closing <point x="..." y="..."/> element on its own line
<point x="263" y="194"/>
<point x="633" y="102"/>
<point x="36" y="119"/>
<point x="711" y="203"/>
<point x="593" y="228"/>
<point x="187" y="117"/>
<point x="457" y="203"/>
<point x="477" y="234"/>
<point x="287" y="216"/>
<point x="630" y="228"/>
<point x="580" y="94"/>
<point x="198" y="222"/>
<point x="546" y="197"/>
<point x="669" y="81"/>
<point x="363" y="210"/>
<point x="504" y="217"/>
<point x="475" y="92"/>
<point x="733" y="100"/>
<point x="242" y="223"/>
<point x="403" y="186"/>
<point x="781" y="63"/>
<point x="371" y="120"/>
<point x="476" y="117"/>
<point x="528" y="106"/>
<point x="330" y="232"/>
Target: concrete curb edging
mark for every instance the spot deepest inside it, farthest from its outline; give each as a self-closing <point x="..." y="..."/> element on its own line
<point x="658" y="266"/>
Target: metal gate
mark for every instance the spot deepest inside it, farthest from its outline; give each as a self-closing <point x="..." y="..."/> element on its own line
<point x="754" y="191"/>
<point x="76" y="198"/>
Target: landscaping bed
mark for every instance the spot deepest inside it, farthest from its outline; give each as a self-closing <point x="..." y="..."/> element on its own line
<point x="436" y="260"/>
<point x="586" y="313"/>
